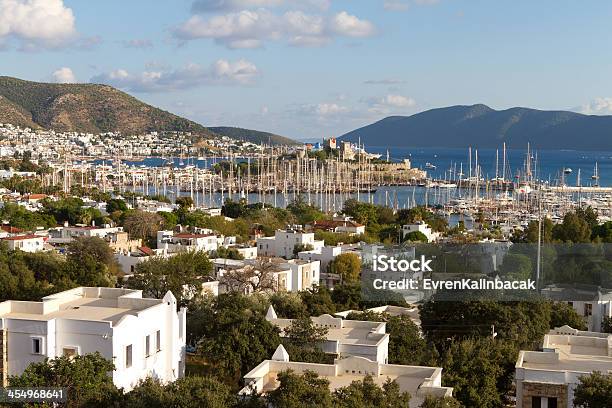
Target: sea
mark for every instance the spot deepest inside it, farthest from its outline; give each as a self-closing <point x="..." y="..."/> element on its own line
<point x="551" y="166"/>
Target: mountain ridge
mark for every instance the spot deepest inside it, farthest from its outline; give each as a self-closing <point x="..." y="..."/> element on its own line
<point x="481" y="126"/>
<point x="99" y="108"/>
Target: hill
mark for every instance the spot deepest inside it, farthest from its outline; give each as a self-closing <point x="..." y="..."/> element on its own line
<point x="253" y="136"/>
<point x="481" y="126"/>
<point x="84" y="108"/>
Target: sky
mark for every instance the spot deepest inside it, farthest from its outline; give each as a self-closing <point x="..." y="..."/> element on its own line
<point x="309" y="69"/>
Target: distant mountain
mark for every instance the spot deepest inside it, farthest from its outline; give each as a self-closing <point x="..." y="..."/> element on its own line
<point x="84" y="108"/>
<point x="481" y="126"/>
<point x="253" y="136"/>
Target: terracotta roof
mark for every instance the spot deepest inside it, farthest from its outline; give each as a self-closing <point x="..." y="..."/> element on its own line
<point x="22" y="237"/>
<point x="36" y="196"/>
<point x="146" y="250"/>
<point x="11" y="230"/>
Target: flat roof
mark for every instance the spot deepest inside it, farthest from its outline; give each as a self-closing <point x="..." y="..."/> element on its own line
<point x="89" y="304"/>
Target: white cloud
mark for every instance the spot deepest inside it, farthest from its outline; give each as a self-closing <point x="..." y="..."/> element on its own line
<point x="598" y="106"/>
<point x="208" y="6"/>
<point x="389" y="104"/>
<point x="64" y="75"/>
<point x="37" y="23"/>
<point x="222" y="72"/>
<point x="324" y="109"/>
<point x="250" y="28"/>
<point x="351" y="26"/>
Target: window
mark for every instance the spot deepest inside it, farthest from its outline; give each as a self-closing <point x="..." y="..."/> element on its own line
<point x="128" y="356"/>
<point x="70" y="351"/>
<point x="588" y="309"/>
<point x="536" y="402"/>
<point x="147" y="346"/>
<point x="552" y="402"/>
<point x="37" y="345"/>
<point x="158" y="340"/>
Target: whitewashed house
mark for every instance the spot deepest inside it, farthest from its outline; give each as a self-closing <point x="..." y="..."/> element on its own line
<point x="284" y="242"/>
<point x="346" y="338"/>
<point x="142" y="337"/>
<point x="419" y="381"/>
<point x="25" y="243"/>
<point x="422" y="227"/>
<point x="549" y="377"/>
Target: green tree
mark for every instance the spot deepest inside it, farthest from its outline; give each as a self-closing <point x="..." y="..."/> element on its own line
<point x="87" y="378"/>
<point x="303" y="340"/>
<point x="348" y="266"/>
<point x="480" y="371"/>
<point x="232" y="334"/>
<point x="416" y="236"/>
<point x="516" y="266"/>
<point x="366" y="394"/>
<point x="182" y="274"/>
<point x="562" y="314"/>
<point x="574" y="229"/>
<point x="594" y="391"/>
<point x="116" y="204"/>
<point x="446" y="402"/>
<point x="299" y="391"/>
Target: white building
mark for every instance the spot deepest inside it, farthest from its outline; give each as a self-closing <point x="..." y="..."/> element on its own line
<point x="283" y="243"/>
<point x="187" y="241"/>
<point x="25" y="243"/>
<point x="143" y="337"/>
<point x="325" y="255"/>
<point x="343" y="225"/>
<point x="67" y="234"/>
<point x="548" y="378"/>
<point x="591" y="302"/>
<point x="422" y="227"/>
<point x="420" y="382"/>
<point x="346" y="338"/>
<point x="285" y="276"/>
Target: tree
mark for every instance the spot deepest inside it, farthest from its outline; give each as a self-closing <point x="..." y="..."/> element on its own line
<point x="87" y="378"/>
<point x="116" y="204"/>
<point x="406" y="345"/>
<point x="253" y="278"/>
<point x="184" y="203"/>
<point x="516" y="266"/>
<point x="187" y="392"/>
<point x="416" y="236"/>
<point x="300" y="391"/>
<point x="288" y="305"/>
<point x="573" y="229"/>
<point x="446" y="402"/>
<point x="297" y="248"/>
<point x="91" y="262"/>
<point x="594" y="391"/>
<point x="182" y="274"/>
<point x="348" y="266"/>
<point x="142" y="225"/>
<point x="231" y="334"/>
<point x="303" y="339"/>
<point x="480" y="371"/>
<point x="366" y="393"/>
<point x="562" y="314"/>
<point x="318" y="301"/>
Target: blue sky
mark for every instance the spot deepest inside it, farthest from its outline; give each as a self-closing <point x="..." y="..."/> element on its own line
<point x="318" y="68"/>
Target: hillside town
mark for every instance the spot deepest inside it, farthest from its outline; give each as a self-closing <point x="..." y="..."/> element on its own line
<point x="254" y="304"/>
